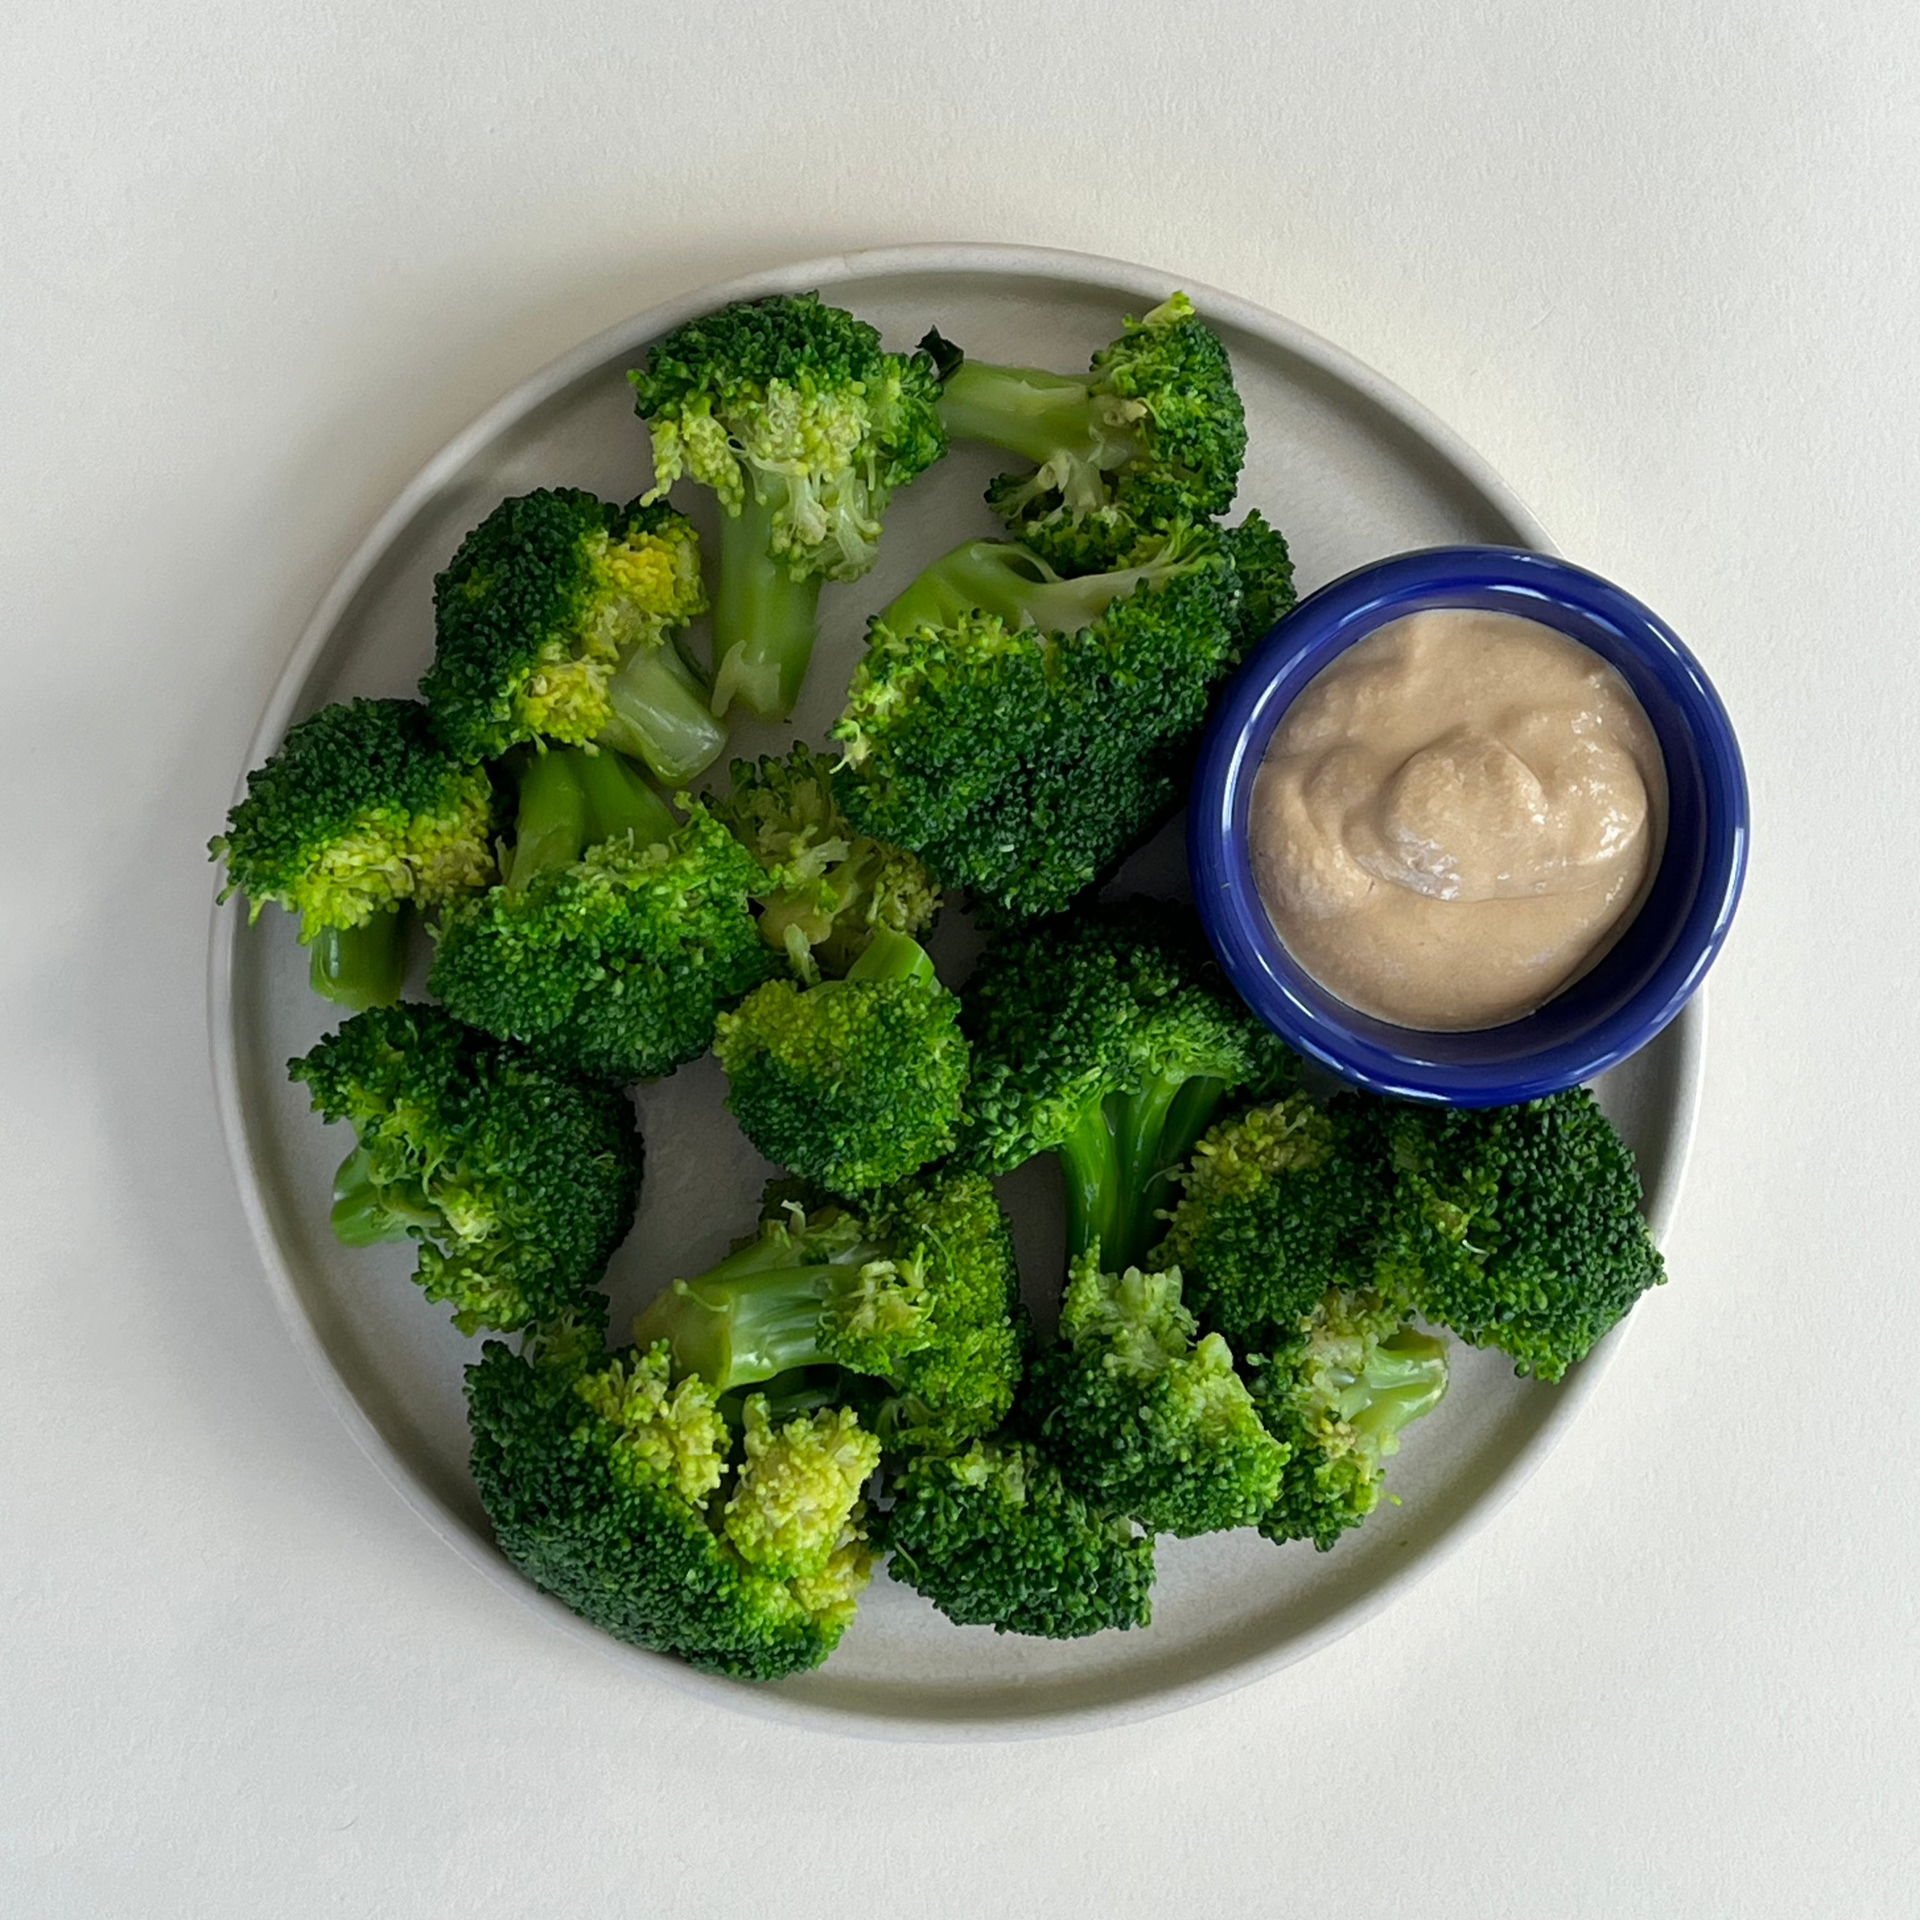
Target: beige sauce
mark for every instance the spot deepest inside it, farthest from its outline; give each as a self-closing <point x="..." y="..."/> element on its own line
<point x="1457" y="818"/>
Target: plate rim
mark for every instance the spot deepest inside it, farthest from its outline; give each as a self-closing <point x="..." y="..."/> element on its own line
<point x="922" y="259"/>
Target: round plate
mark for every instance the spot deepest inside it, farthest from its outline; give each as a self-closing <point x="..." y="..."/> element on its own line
<point x="1350" y="469"/>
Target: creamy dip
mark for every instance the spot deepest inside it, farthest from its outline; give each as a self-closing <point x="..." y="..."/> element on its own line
<point x="1457" y="818"/>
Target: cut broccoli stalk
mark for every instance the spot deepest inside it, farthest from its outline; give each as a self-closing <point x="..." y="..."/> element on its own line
<point x="767" y="1309"/>
<point x="1049" y="418"/>
<point x="571" y="799"/>
<point x="891" y="956"/>
<point x="1117" y="1161"/>
<point x="363" y="966"/>
<point x="1011" y="584"/>
<point x="764" y="620"/>
<point x="1404" y="1378"/>
<point x="661" y="715"/>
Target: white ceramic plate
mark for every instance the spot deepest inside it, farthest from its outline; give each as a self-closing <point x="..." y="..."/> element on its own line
<point x="1350" y="469"/>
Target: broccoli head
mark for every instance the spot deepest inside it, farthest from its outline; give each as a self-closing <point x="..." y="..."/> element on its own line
<point x="1337" y="1394"/>
<point x="994" y="1537"/>
<point x="517" y="1182"/>
<point x="555" y="622"/>
<point x="603" y="1480"/>
<point x="802" y="425"/>
<point x="1153" y="436"/>
<point x="620" y="934"/>
<point x="357" y="813"/>
<point x="1279" y="1205"/>
<point x="850" y="1083"/>
<point x="1517" y="1227"/>
<point x="1022" y="733"/>
<point x="827" y="888"/>
<point x="1110" y="1037"/>
<point x="1143" y="1419"/>
<point x="911" y="1293"/>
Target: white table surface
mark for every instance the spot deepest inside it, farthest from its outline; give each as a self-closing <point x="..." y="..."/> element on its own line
<point x="1657" y="262"/>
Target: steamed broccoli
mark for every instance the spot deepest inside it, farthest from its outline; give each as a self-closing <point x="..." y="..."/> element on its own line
<point x="1338" y="1392"/>
<point x="802" y="426"/>
<point x="1021" y="733"/>
<point x="1110" y="1037"/>
<point x="555" y="622"/>
<point x="995" y="1538"/>
<point x="1278" y="1205"/>
<point x="603" y="1481"/>
<point x="356" y="813"/>
<point x="826" y="889"/>
<point x="517" y="1182"/>
<point x="1142" y="1419"/>
<point x="1517" y="1227"/>
<point x="619" y="935"/>
<point x="852" y="1083"/>
<point x="912" y="1293"/>
<point x="1153" y="436"/>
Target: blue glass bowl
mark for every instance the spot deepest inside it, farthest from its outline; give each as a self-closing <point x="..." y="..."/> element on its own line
<point x="1649" y="973"/>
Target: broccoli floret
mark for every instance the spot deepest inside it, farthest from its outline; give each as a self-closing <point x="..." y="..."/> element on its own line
<point x="1109" y="1037"/>
<point x="1518" y="1227"/>
<point x="620" y="934"/>
<point x="852" y="1083"/>
<point x="1279" y="1205"/>
<point x="1152" y="436"/>
<point x="1338" y="1394"/>
<point x="357" y="813"/>
<point x="913" y="1290"/>
<point x="602" y="1480"/>
<point x="1021" y="733"/>
<point x="555" y="623"/>
<point x="826" y="889"/>
<point x="1142" y="1419"/>
<point x="800" y="423"/>
<point x="517" y="1182"/>
<point x="1265" y="567"/>
<point x="995" y="1538"/>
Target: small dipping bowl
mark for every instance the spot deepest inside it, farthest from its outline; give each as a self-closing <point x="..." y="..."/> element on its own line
<point x="1643" y="979"/>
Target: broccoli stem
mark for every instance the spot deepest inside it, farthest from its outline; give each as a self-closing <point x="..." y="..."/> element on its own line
<point x="1047" y="418"/>
<point x="365" y="1215"/>
<point x="998" y="578"/>
<point x="620" y="805"/>
<point x="661" y="715"/>
<point x="891" y="956"/>
<point x="571" y="799"/>
<point x="1404" y="1377"/>
<point x="550" y="827"/>
<point x="764" y="620"/>
<point x="753" y="1316"/>
<point x="1117" y="1161"/>
<point x="363" y="966"/>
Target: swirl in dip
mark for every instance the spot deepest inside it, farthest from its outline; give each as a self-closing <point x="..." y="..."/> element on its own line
<point x="1457" y="818"/>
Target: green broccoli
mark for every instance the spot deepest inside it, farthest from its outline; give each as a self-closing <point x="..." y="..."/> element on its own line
<point x="852" y="1083"/>
<point x="603" y="1483"/>
<point x="911" y="1292"/>
<point x="1109" y="1037"/>
<point x="1142" y="1419"/>
<point x="826" y="889"/>
<point x="1517" y="1227"/>
<point x="357" y="813"/>
<point x="994" y="1537"/>
<point x="1152" y="437"/>
<point x="517" y="1182"/>
<point x="1021" y="733"/>
<point x="555" y="623"/>
<point x="1337" y="1393"/>
<point x="800" y="423"/>
<point x="1278" y="1205"/>
<point x="619" y="935"/>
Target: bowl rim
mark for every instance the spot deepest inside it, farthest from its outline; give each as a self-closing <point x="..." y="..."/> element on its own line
<point x="1371" y="1053"/>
